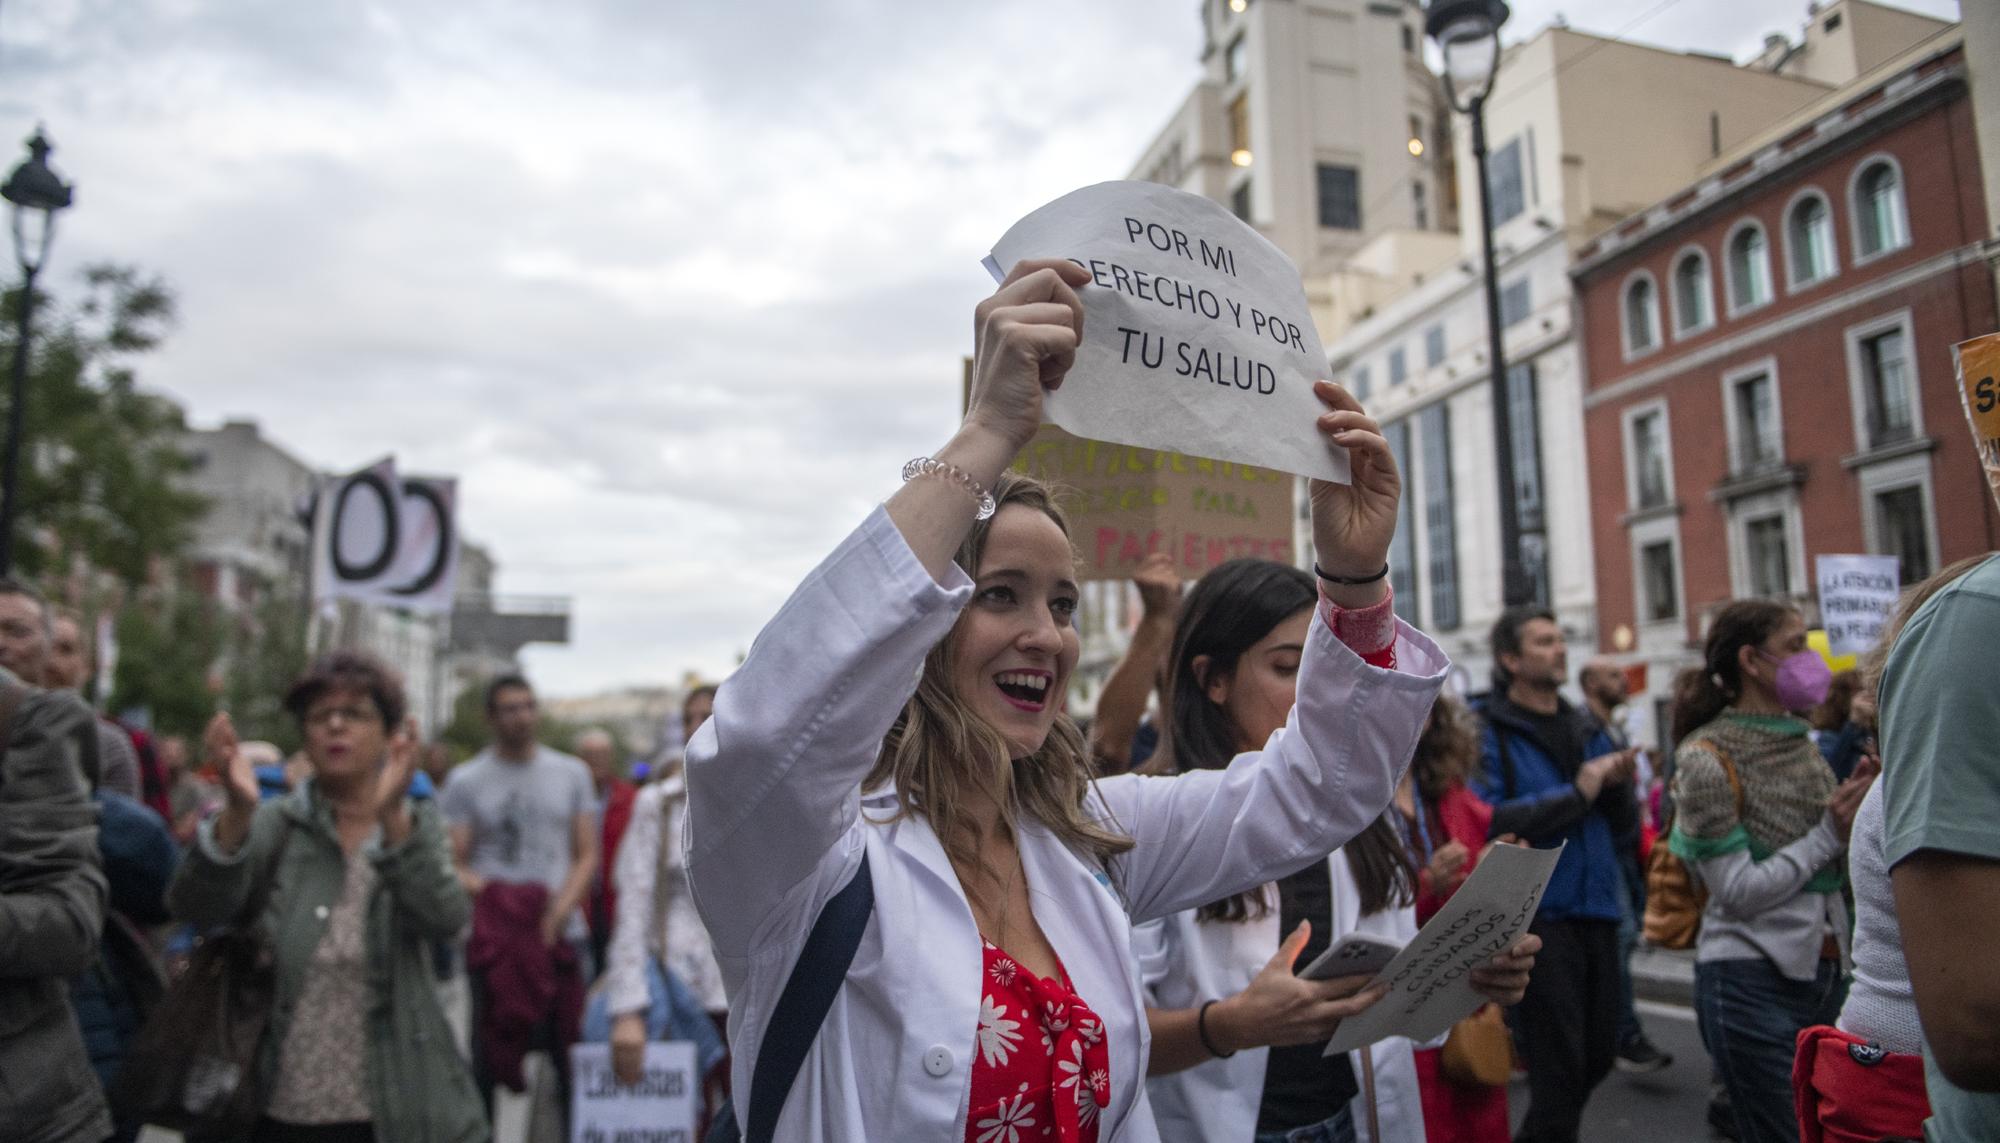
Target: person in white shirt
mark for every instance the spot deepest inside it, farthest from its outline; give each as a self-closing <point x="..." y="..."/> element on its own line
<point x="1237" y="1036"/>
<point x="904" y="710"/>
<point x="656" y="916"/>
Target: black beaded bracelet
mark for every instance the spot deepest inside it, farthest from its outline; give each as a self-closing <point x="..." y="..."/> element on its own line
<point x="1201" y="1029"/>
<point x="1350" y="581"/>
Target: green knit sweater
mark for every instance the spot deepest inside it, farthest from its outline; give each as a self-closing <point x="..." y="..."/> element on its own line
<point x="1786" y="787"/>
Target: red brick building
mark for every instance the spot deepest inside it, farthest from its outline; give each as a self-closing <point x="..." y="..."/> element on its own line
<point x="1768" y="362"/>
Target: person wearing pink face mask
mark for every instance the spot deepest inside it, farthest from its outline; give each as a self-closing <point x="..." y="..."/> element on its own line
<point x="1763" y="824"/>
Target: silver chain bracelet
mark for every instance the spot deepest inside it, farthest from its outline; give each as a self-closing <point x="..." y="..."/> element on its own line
<point x="929" y="466"/>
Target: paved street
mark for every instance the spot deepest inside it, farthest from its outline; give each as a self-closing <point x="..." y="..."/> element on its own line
<point x="1667" y="1105"/>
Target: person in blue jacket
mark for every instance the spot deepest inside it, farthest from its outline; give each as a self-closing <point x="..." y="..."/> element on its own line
<point x="1555" y="778"/>
<point x="113" y="997"/>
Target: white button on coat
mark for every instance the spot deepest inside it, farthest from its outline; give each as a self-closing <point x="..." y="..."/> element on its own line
<point x="322" y="912"/>
<point x="937" y="1061"/>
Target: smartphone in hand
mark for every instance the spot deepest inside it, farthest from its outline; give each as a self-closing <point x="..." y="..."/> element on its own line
<point x="1357" y="954"/>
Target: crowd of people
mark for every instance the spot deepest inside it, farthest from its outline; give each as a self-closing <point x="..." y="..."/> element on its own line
<point x="891" y="890"/>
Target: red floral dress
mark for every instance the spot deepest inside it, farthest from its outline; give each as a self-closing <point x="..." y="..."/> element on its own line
<point x="1040" y="1069"/>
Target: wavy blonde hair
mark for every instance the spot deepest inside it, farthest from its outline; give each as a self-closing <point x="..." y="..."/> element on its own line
<point x="939" y="749"/>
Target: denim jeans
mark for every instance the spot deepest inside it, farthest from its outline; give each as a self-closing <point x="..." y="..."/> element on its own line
<point x="1338" y="1129"/>
<point x="1751" y="1016"/>
<point x="1632" y="907"/>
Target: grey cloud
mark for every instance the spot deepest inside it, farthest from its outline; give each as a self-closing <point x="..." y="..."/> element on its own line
<point x="675" y="288"/>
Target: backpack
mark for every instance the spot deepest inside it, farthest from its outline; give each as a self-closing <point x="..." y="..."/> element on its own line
<point x="1674" y="902"/>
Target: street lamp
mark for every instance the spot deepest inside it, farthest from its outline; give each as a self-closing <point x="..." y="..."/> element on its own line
<point x="1468" y="33"/>
<point x="36" y="194"/>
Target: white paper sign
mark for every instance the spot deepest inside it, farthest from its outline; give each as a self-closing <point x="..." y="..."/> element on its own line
<point x="660" y="1108"/>
<point x="381" y="537"/>
<point x="1196" y="335"/>
<point x="1429" y="984"/>
<point x="1857" y="596"/>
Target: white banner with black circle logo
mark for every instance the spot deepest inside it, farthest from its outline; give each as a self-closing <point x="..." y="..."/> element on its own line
<point x="379" y="537"/>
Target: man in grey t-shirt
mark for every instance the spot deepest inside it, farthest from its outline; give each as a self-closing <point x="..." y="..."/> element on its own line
<point x="521" y="812"/>
<point x="1941" y="805"/>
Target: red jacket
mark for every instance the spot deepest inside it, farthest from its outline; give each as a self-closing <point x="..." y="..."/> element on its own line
<point x="601" y="909"/>
<point x="1466" y="820"/>
<point x="527" y="984"/>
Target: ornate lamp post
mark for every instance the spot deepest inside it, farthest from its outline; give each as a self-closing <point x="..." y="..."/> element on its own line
<point x="36" y="194"/>
<point x="1468" y="33"/>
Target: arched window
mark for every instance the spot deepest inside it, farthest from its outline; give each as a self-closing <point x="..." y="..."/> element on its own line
<point x="1881" y="223"/>
<point x="1694" y="301"/>
<point x="1642" y="315"/>
<point x="1749" y="268"/>
<point x="1809" y="237"/>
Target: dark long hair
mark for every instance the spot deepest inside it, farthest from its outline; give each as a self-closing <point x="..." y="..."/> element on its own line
<point x="1382" y="866"/>
<point x="1701" y="693"/>
<point x="1225" y="614"/>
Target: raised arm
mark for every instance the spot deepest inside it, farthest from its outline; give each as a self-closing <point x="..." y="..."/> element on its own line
<point x="413" y="859"/>
<point x="1332" y="768"/>
<point x="1123" y="701"/>
<point x="1317" y="783"/>
<point x="774" y="777"/>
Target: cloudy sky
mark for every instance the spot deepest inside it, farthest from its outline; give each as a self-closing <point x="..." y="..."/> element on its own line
<point x="674" y="288"/>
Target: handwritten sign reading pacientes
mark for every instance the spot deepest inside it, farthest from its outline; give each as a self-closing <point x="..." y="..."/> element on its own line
<point x="1979" y="387"/>
<point x="1197" y="338"/>
<point x="660" y="1108"/>
<point x="1857" y="595"/>
<point x="1429" y="982"/>
<point x="1125" y="503"/>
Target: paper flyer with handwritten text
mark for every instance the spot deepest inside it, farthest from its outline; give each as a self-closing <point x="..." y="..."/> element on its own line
<point x="1429" y="981"/>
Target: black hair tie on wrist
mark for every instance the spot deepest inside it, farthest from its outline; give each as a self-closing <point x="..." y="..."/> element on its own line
<point x="1351" y="581"/>
<point x="1201" y="1030"/>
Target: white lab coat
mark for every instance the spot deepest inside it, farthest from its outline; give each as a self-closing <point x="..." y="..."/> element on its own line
<point x="777" y="824"/>
<point x="1185" y="962"/>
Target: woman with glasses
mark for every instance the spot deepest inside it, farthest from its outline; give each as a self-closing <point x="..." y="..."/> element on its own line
<point x="357" y="1048"/>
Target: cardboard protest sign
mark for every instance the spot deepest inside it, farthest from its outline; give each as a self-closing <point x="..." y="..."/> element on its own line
<point x="1857" y="595"/>
<point x="1429" y="984"/>
<point x="660" y="1108"/>
<point x="1125" y="503"/>
<point x="380" y="537"/>
<point x="1197" y="338"/>
<point x="1979" y="388"/>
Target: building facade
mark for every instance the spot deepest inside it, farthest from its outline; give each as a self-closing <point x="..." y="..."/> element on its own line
<point x="1565" y="163"/>
<point x="1769" y="362"/>
<point x="1317" y="122"/>
<point x="253" y="539"/>
<point x="255" y="543"/>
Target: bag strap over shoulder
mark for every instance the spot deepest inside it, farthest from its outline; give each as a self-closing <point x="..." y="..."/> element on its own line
<point x="1728" y="770"/>
<point x="802" y="1007"/>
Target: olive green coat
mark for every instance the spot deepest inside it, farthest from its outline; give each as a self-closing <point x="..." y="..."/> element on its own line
<point x="420" y="1087"/>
